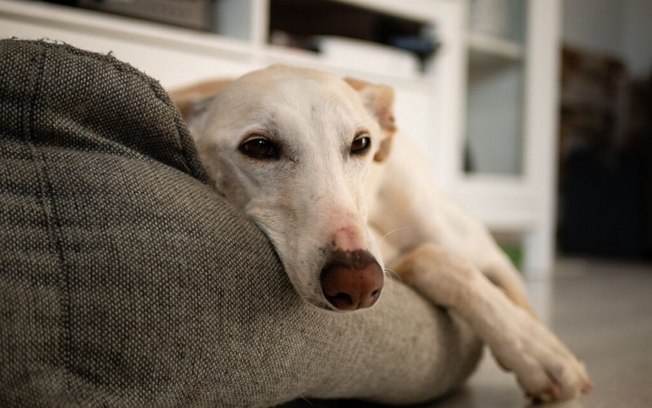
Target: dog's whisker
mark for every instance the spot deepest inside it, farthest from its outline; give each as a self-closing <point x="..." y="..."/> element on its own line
<point x="393" y="274"/>
<point x="301" y="397"/>
<point x="393" y="231"/>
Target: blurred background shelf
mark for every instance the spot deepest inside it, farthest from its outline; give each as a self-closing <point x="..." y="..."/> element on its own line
<point x="487" y="46"/>
<point x="466" y="90"/>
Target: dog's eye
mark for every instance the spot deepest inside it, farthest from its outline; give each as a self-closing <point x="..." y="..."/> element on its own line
<point x="260" y="148"/>
<point x="361" y="144"/>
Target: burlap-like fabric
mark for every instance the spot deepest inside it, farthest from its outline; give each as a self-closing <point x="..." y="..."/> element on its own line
<point x="127" y="281"/>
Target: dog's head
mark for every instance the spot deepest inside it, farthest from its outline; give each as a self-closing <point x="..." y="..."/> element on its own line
<point x="293" y="149"/>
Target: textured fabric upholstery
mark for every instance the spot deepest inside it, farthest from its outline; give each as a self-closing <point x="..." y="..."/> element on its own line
<point x="127" y="281"/>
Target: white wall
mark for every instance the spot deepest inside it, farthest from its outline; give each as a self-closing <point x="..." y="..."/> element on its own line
<point x="622" y="28"/>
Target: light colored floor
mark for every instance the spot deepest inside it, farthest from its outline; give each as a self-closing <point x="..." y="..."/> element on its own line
<point x="603" y="311"/>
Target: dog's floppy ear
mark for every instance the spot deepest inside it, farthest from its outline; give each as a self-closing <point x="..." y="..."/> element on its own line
<point x="379" y="99"/>
<point x="193" y="100"/>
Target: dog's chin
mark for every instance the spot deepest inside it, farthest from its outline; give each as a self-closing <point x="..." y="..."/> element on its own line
<point x="321" y="304"/>
<point x="317" y="300"/>
<point x="314" y="298"/>
<point x="325" y="305"/>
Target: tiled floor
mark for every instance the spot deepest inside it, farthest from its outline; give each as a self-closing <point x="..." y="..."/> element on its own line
<point x="603" y="311"/>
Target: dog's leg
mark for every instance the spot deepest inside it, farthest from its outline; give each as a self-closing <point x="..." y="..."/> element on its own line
<point x="504" y="275"/>
<point x="543" y="365"/>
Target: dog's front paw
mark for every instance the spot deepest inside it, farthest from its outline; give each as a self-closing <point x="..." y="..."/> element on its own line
<point x="557" y="379"/>
<point x="544" y="367"/>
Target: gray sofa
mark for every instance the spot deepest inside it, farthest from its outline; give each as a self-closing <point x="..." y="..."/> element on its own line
<point x="127" y="281"/>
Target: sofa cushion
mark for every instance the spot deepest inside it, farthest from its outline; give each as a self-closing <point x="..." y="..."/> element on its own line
<point x="126" y="280"/>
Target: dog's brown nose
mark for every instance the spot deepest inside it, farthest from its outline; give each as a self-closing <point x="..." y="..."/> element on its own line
<point x="352" y="280"/>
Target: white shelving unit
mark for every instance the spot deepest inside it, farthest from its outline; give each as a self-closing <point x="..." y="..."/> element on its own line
<point x="431" y="106"/>
<point x="480" y="43"/>
<point x="510" y="124"/>
<point x="178" y="56"/>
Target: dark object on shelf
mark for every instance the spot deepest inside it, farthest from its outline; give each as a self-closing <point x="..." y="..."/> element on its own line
<point x="639" y="137"/>
<point x="422" y="47"/>
<point x="195" y="14"/>
<point x="605" y="158"/>
<point x="601" y="205"/>
<point x="304" y="19"/>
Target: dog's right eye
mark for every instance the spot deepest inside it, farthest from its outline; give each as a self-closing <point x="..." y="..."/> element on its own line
<point x="361" y="144"/>
<point x="260" y="148"/>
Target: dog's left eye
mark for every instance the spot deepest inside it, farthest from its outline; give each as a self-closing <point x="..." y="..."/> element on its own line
<point x="361" y="144"/>
<point x="261" y="149"/>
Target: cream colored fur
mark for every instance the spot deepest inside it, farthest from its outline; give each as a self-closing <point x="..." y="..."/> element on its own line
<point x="317" y="194"/>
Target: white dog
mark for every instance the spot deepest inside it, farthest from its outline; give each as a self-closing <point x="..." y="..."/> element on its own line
<point x="307" y="156"/>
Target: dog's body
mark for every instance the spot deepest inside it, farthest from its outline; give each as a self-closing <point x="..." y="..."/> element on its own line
<point x="306" y="156"/>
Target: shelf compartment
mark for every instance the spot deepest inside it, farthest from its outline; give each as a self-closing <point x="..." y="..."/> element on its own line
<point x="118" y="27"/>
<point x="327" y="25"/>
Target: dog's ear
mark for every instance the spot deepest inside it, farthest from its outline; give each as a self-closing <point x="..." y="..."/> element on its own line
<point x="193" y="100"/>
<point x="379" y="99"/>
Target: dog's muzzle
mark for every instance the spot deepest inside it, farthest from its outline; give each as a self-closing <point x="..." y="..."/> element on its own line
<point x="352" y="280"/>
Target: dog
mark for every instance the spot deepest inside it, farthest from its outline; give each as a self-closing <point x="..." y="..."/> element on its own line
<point x="318" y="164"/>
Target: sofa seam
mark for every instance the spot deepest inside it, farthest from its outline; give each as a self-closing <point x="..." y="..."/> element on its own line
<point x="190" y="169"/>
<point x="155" y="88"/>
<point x="50" y="212"/>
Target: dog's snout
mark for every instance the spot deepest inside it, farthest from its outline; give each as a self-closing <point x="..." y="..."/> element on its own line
<point x="352" y="280"/>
